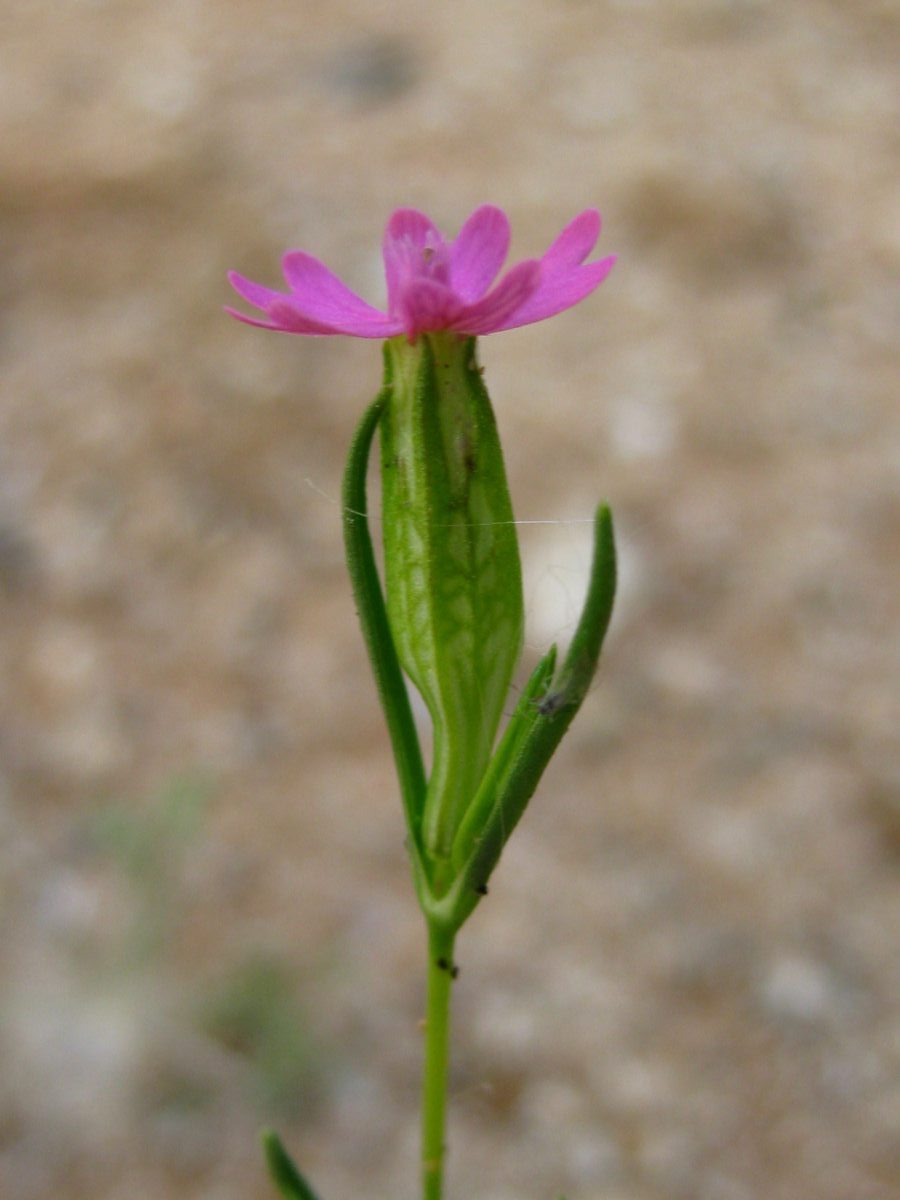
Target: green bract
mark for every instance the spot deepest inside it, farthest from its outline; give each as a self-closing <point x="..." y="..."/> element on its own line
<point x="451" y="560"/>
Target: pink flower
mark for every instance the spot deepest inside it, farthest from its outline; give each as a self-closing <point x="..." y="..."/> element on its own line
<point x="436" y="285"/>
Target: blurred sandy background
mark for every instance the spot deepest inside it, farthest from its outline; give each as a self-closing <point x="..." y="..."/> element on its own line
<point x="684" y="985"/>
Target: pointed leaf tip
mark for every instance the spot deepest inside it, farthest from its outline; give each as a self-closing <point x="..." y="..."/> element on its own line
<point x="544" y="712"/>
<point x="283" y="1169"/>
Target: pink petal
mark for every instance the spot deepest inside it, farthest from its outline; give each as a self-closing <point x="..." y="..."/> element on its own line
<point x="559" y="292"/>
<point x="292" y="318"/>
<point x="426" y="305"/>
<point x="253" y="293"/>
<point x="408" y="233"/>
<point x="322" y="297"/>
<point x="575" y="242"/>
<point x="496" y="309"/>
<point x="410" y="225"/>
<point x="234" y="312"/>
<point x="479" y="252"/>
<point x="269" y="301"/>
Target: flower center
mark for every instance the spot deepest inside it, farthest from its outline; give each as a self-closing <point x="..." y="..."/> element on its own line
<point x="423" y="260"/>
<point x="433" y="262"/>
<point x="416" y="261"/>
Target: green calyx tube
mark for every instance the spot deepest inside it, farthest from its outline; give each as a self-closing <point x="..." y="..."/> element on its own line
<point x="452" y="573"/>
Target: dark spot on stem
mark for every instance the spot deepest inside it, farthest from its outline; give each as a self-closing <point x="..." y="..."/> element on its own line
<point x="467" y="454"/>
<point x="552" y="703"/>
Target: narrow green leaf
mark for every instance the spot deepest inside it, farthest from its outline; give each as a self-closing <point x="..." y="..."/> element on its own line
<point x="540" y="726"/>
<point x="283" y="1169"/>
<point x="571" y="685"/>
<point x="376" y="630"/>
<point x="516" y="730"/>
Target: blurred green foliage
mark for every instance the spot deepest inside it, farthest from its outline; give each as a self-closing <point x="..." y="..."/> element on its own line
<point x="250" y="1010"/>
<point x="254" y="1010"/>
<point x="149" y="844"/>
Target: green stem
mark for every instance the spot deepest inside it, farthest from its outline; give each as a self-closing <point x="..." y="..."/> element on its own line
<point x="441" y="970"/>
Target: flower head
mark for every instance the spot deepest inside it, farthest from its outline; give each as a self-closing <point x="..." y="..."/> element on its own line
<point x="433" y="284"/>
